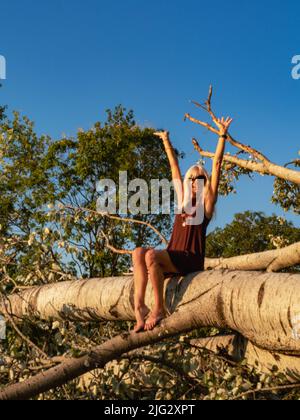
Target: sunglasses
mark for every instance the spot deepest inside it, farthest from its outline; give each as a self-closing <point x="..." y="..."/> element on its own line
<point x="198" y="177"/>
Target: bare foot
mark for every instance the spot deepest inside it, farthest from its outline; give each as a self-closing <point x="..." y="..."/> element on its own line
<point x="154" y="319"/>
<point x="140" y="315"/>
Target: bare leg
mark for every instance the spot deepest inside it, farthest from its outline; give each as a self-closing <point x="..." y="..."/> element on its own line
<point x="158" y="262"/>
<point x="140" y="285"/>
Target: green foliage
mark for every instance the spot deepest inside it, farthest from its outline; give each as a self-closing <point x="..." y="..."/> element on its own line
<point x="170" y="370"/>
<point x="251" y="232"/>
<point x="101" y="153"/>
<point x="287" y="194"/>
<point x="26" y="186"/>
<point x="40" y="177"/>
<point x="43" y="240"/>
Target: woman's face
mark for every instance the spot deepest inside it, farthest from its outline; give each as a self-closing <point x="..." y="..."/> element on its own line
<point x="193" y="177"/>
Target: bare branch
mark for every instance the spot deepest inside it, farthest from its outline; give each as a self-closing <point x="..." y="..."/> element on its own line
<point x="112" y="248"/>
<point x="271" y="261"/>
<point x="265" y="166"/>
<point x="25" y="339"/>
<point x="121" y="219"/>
<point x="264" y="390"/>
<point x="97" y="358"/>
<point x="202" y="123"/>
<point x="246" y="164"/>
<point x="248" y="149"/>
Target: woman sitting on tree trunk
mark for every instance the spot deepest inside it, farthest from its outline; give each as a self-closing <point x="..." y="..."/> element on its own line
<point x="186" y="250"/>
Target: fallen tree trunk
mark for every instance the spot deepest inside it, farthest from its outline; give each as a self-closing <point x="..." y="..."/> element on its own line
<point x="270" y="261"/>
<point x="262" y="307"/>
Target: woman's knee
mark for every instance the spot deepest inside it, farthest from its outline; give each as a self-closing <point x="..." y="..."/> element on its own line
<point x="138" y="255"/>
<point x="151" y="258"/>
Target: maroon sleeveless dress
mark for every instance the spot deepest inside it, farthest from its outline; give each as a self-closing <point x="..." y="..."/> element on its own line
<point x="187" y="245"/>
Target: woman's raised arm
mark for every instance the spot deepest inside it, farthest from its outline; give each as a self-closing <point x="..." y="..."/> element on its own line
<point x="176" y="174"/>
<point x="212" y="196"/>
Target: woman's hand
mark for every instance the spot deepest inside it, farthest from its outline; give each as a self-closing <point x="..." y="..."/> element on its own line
<point x="223" y="125"/>
<point x="163" y="135"/>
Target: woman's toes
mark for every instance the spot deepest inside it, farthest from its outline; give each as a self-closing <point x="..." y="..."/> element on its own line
<point x="153" y="320"/>
<point x="140" y="315"/>
<point x="139" y="327"/>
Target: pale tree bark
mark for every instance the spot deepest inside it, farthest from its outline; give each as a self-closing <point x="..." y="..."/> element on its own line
<point x="263" y="307"/>
<point x="260" y="306"/>
<point x="239" y="348"/>
<point x="270" y="261"/>
<point x="262" y="168"/>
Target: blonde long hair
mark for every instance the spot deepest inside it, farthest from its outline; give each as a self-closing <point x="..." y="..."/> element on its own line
<point x="187" y="187"/>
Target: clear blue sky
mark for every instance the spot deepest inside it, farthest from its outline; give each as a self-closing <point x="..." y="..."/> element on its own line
<point x="69" y="60"/>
